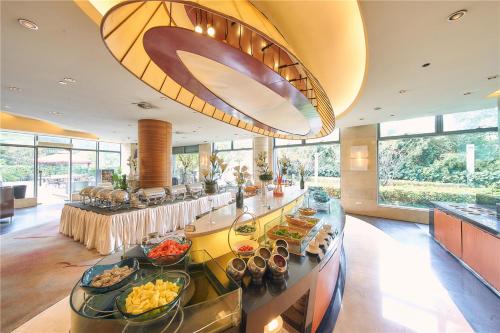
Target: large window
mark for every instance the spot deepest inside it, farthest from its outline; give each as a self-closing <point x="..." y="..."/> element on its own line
<point x="185" y="167"/>
<point x="321" y="158"/>
<point x="234" y="153"/>
<point x="17" y="167"/>
<point x="46" y="168"/>
<point x="455" y="164"/>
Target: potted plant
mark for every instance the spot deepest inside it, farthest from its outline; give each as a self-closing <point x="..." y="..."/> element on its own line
<point x="213" y="173"/>
<point x="283" y="166"/>
<point x="119" y="181"/>
<point x="241" y="175"/>
<point x="302" y="172"/>
<point x="265" y="174"/>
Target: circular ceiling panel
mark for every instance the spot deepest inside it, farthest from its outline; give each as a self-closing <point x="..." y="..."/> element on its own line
<point x="219" y="66"/>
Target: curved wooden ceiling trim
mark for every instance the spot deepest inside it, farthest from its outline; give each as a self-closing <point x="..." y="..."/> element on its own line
<point x="124" y="27"/>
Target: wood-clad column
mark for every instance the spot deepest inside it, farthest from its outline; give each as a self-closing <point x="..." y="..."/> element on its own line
<point x="262" y="144"/>
<point x="155" y="153"/>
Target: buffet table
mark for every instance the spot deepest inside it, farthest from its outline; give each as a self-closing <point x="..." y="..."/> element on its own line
<point x="306" y="300"/>
<point x="106" y="230"/>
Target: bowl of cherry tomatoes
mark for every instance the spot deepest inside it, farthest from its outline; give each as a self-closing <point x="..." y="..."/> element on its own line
<point x="246" y="247"/>
<point x="170" y="251"/>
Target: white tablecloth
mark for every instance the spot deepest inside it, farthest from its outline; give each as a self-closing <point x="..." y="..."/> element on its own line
<point x="106" y="233"/>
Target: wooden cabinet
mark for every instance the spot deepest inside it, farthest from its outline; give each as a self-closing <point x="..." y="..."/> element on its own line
<point x="448" y="231"/>
<point x="481" y="251"/>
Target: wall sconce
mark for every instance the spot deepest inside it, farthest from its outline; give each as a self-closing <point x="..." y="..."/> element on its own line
<point x="359" y="158"/>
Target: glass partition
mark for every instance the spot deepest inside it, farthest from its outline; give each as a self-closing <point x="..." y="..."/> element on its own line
<point x="17" y="167"/>
<point x="83" y="166"/>
<point x="53" y="175"/>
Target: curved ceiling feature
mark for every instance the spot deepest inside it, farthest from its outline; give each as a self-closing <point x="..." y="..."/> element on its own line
<point x="231" y="85"/>
<point x="135" y="33"/>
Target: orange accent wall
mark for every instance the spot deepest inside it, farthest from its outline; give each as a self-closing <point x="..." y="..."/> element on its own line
<point x="155" y="153"/>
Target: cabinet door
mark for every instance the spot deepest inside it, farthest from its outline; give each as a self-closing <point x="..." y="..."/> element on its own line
<point x="481" y="251"/>
<point x="439" y="220"/>
<point x="453" y="235"/>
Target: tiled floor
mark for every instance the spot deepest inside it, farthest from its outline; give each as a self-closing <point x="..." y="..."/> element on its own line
<point x="399" y="279"/>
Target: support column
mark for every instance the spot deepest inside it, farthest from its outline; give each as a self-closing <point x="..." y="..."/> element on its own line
<point x="155" y="153"/>
<point x="204" y="151"/>
<point x="261" y="144"/>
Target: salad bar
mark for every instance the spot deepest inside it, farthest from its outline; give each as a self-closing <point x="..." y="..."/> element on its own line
<point x="272" y="273"/>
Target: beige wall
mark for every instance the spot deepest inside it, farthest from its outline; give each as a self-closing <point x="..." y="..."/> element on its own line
<point x="360" y="188"/>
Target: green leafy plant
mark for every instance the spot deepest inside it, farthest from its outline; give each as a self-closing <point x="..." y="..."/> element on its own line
<point x="215" y="170"/>
<point x="265" y="174"/>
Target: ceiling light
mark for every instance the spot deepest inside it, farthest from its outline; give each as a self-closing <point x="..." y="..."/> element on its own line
<point x="211" y="31"/>
<point x="63" y="83"/>
<point x="377" y="108"/>
<point x="56" y="113"/>
<point x="144" y="105"/>
<point x="198" y="29"/>
<point x="492" y="77"/>
<point x="164" y="97"/>
<point x="6" y="107"/>
<point x="403" y="91"/>
<point x="457" y="15"/>
<point x="28" y="24"/>
<point x="467" y="93"/>
<point x="427" y="64"/>
<point x="16" y="89"/>
<point x="69" y="80"/>
<point x="361" y="118"/>
<point x="391" y="115"/>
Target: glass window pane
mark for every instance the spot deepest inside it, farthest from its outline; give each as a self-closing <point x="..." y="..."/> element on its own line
<point x="322" y="165"/>
<point x="334" y="136"/>
<point x="108" y="161"/>
<point x="109" y="146"/>
<point x="84" y="169"/>
<point x="186" y="168"/>
<point x="409" y="126"/>
<point x="83" y="144"/>
<point x="17" y="138"/>
<point x="453" y="168"/>
<point x="53" y="139"/>
<point x="222" y="145"/>
<point x="234" y="158"/>
<point x="285" y="142"/>
<point x="53" y="174"/>
<point x="243" y="144"/>
<point x="470" y="120"/>
<point x="17" y="167"/>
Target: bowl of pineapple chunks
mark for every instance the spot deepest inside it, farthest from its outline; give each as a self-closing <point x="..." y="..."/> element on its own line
<point x="151" y="297"/>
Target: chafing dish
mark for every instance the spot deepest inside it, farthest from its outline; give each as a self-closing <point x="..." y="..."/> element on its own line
<point x="176" y="192"/>
<point x="153" y="195"/>
<point x="195" y="190"/>
<point x="85" y="193"/>
<point x="104" y="197"/>
<point x="118" y="198"/>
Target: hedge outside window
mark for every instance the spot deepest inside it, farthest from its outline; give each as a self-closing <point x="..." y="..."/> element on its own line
<point x="17" y="167"/>
<point x="416" y="170"/>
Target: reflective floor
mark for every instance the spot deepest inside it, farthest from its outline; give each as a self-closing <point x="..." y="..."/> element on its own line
<point x="400" y="280"/>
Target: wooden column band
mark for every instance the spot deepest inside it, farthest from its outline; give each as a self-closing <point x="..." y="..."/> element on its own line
<point x="155" y="147"/>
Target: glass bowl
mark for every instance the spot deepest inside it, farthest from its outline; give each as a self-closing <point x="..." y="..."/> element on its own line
<point x="167" y="260"/>
<point x="95" y="270"/>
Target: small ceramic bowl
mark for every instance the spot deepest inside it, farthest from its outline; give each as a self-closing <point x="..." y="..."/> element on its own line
<point x="280" y="242"/>
<point x="283" y="251"/>
<point x="236" y="268"/>
<point x="278" y="266"/>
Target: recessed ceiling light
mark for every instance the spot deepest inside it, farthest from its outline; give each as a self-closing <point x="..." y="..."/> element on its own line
<point x="492" y="77"/>
<point x="427" y="64"/>
<point x="391" y="115"/>
<point x="69" y="80"/>
<point x="205" y="141"/>
<point x="361" y="118"/>
<point x="403" y="91"/>
<point x="144" y="105"/>
<point x="16" y="89"/>
<point x="198" y="29"/>
<point x="164" y="97"/>
<point x="56" y="113"/>
<point x="467" y="93"/>
<point x="63" y="83"/>
<point x="6" y="107"/>
<point x="183" y="137"/>
<point x="377" y="108"/>
<point x="28" y="24"/>
<point x="457" y="15"/>
<point x="211" y="31"/>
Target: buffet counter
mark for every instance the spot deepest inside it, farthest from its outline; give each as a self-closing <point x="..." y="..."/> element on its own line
<point x="213" y="301"/>
<point x="471" y="233"/>
<point x="107" y="230"/>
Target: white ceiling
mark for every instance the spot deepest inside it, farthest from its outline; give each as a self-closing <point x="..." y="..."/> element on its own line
<point x="401" y="36"/>
<point x="68" y="44"/>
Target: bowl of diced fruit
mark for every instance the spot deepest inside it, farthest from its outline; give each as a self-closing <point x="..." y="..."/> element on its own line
<point x="150" y="297"/>
<point x="246" y="248"/>
<point x="170" y="251"/>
